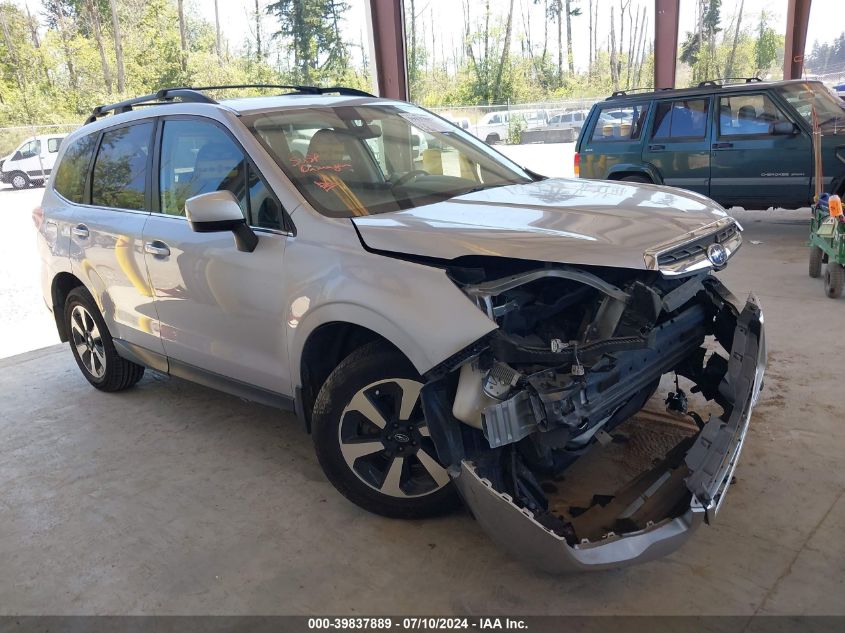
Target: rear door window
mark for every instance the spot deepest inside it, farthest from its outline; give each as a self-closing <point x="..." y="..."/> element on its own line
<point x="120" y="169"/>
<point x="53" y="145"/>
<point x="748" y="115"/>
<point x="72" y="172"/>
<point x="620" y="123"/>
<point x="682" y="119"/>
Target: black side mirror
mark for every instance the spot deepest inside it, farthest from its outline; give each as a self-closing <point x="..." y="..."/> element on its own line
<point x="783" y="128"/>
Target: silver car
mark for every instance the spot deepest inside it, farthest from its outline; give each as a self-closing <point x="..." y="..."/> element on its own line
<point x="447" y="325"/>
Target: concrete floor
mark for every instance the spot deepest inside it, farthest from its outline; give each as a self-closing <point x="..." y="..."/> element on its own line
<point x="174" y="499"/>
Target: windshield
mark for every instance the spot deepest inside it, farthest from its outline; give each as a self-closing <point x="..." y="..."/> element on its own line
<point x="829" y="108"/>
<point x="361" y="160"/>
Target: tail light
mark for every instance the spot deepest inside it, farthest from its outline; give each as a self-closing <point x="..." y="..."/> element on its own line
<point x="576" y="167"/>
<point x="37" y="217"/>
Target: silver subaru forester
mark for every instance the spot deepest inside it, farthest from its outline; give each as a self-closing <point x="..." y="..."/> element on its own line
<point x="446" y="324"/>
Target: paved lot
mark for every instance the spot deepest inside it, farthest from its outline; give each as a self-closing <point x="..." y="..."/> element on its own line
<point x="171" y="498"/>
<point x="25" y="323"/>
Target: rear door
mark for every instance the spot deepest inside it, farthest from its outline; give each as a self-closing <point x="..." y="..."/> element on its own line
<point x="615" y="139"/>
<point x="106" y="250"/>
<point x="752" y="167"/>
<point x="221" y="310"/>
<point x="678" y="145"/>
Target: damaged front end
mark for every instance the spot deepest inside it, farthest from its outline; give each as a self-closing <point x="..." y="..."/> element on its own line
<point x="543" y="423"/>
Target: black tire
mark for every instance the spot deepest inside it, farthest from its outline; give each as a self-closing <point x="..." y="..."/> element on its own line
<point x="492" y="139"/>
<point x="834" y="280"/>
<point x="636" y="178"/>
<point x="816" y="255"/>
<point x="19" y="180"/>
<point x="92" y="345"/>
<point x="392" y="456"/>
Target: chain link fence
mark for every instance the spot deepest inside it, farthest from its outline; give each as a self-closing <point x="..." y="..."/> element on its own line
<point x="540" y="113"/>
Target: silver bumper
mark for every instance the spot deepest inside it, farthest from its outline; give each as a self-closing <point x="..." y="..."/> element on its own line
<point x="711" y="460"/>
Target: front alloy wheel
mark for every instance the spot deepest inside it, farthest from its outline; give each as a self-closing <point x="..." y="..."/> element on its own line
<point x="372" y="439"/>
<point x="385" y="441"/>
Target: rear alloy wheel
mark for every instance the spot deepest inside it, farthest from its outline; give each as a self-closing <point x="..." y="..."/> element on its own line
<point x="834" y="280"/>
<point x="92" y="345"/>
<point x="372" y="440"/>
<point x="19" y="180"/>
<point x="816" y="256"/>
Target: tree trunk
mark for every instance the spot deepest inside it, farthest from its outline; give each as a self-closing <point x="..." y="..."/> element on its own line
<point x="497" y="87"/>
<point x="590" y="44"/>
<point x="93" y="15"/>
<point x="259" y="52"/>
<point x="183" y="37"/>
<point x="729" y="67"/>
<point x="60" y="13"/>
<point x="412" y="58"/>
<point x="545" y="30"/>
<point x="36" y="41"/>
<point x="559" y="9"/>
<point x="217" y="27"/>
<point x="632" y="28"/>
<point x="118" y="48"/>
<point x="614" y="72"/>
<point x="570" y="60"/>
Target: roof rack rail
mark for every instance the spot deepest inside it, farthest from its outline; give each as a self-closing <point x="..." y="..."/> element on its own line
<point x="726" y="81"/>
<point x="195" y="95"/>
<point x="626" y="92"/>
<point x="311" y="90"/>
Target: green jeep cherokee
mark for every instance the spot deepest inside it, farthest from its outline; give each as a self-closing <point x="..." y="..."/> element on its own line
<point x="745" y="144"/>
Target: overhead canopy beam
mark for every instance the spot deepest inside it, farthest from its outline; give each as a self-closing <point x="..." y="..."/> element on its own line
<point x="666" y="14"/>
<point x="386" y="24"/>
<point x="797" y="18"/>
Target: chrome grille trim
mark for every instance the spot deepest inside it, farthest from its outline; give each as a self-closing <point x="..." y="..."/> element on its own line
<point x="689" y="253"/>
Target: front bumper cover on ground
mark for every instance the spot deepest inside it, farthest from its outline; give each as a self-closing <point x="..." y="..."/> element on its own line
<point x="711" y="460"/>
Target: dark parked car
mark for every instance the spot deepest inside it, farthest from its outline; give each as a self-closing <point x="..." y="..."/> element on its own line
<point x="746" y="144"/>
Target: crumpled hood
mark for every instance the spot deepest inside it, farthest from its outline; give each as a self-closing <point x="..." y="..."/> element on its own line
<point x="573" y="221"/>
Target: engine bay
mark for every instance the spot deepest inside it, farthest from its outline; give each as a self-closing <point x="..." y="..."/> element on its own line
<point x="582" y="408"/>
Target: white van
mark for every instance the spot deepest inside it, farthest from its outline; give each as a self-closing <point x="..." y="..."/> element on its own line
<point x="32" y="161"/>
<point x="494" y="127"/>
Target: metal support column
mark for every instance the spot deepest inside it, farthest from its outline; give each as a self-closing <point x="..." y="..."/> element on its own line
<point x="665" y="42"/>
<point x="386" y="25"/>
<point x="797" y="18"/>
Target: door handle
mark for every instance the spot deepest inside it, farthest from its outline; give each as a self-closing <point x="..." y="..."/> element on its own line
<point x="80" y="231"/>
<point x="157" y="248"/>
<point x="656" y="148"/>
<point x="722" y="145"/>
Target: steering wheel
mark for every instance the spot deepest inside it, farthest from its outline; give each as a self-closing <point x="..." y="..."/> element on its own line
<point x="409" y="176"/>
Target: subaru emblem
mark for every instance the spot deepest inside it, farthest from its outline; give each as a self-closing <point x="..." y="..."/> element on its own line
<point x="717" y="255"/>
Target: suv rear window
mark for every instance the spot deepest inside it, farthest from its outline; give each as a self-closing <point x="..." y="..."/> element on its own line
<point x="620" y="123"/>
<point x="120" y="169"/>
<point x="69" y="180"/>
<point x="685" y="118"/>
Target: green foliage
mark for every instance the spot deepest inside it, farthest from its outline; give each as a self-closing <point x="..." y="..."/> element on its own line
<point x="61" y="78"/>
<point x="313" y="27"/>
<point x="767" y="45"/>
<point x="516" y="124"/>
